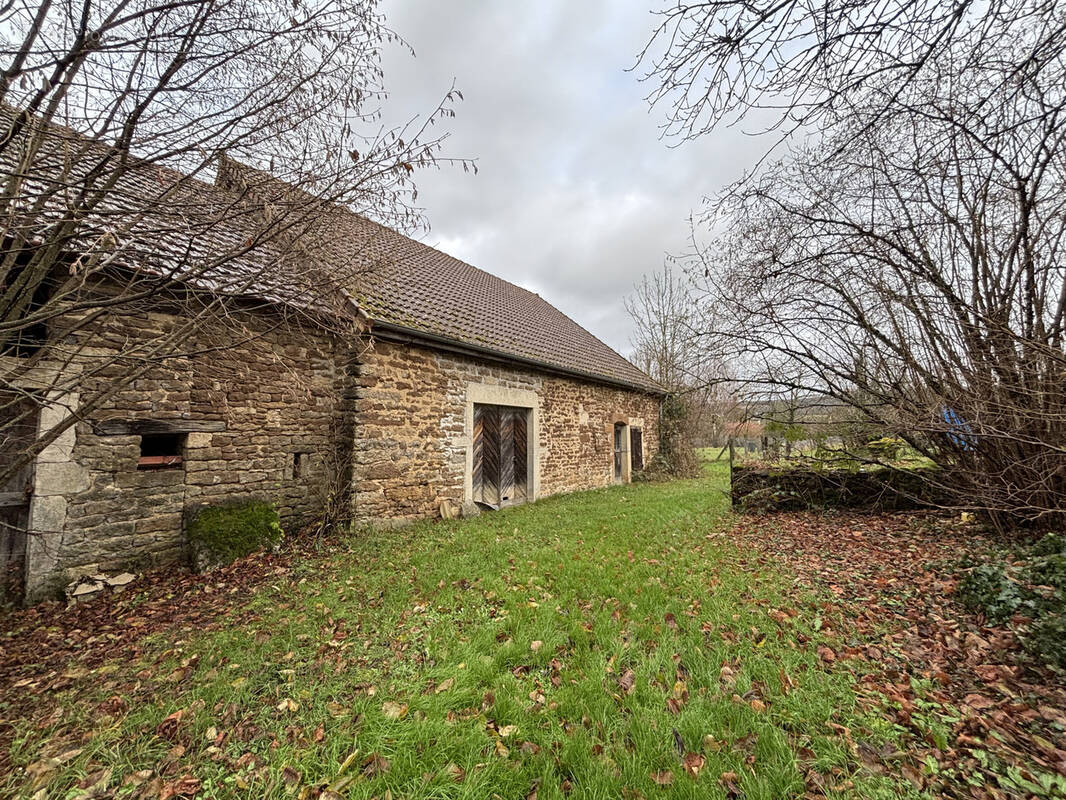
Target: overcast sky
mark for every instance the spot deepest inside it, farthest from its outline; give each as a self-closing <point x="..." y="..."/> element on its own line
<point x="576" y="195"/>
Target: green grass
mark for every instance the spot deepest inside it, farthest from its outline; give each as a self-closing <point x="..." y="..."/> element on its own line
<point x="419" y="647"/>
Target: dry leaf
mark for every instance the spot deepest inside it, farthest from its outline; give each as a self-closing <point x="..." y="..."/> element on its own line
<point x="455" y="772"/>
<point x="664" y="778"/>
<point x="694" y="763"/>
<point x="375" y="765"/>
<point x="393" y="710"/>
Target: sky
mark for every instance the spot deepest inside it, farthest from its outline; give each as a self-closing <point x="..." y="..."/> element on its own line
<point x="576" y="195"/>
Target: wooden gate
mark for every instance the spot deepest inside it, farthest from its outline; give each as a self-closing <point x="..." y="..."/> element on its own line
<point x="17" y="433"/>
<point x="500" y="455"/>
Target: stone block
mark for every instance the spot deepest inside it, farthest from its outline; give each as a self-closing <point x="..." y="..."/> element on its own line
<point x="60" y="478"/>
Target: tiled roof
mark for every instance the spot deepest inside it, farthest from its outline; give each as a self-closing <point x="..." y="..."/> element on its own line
<point x="165" y="225"/>
<point x="403" y="283"/>
<point x="177" y="227"/>
<point x="420" y="288"/>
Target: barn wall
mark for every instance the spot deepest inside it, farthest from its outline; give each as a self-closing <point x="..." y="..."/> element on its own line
<point x="279" y="391"/>
<point x="413" y="428"/>
<point x="275" y="389"/>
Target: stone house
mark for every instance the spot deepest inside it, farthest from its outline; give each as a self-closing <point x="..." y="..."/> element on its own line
<point x="431" y="387"/>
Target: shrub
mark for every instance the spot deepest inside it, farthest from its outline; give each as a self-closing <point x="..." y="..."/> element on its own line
<point x="1051" y="544"/>
<point x="223" y="533"/>
<point x="1047" y="640"/>
<point x="676" y="457"/>
<point x="1034" y="585"/>
<point x="988" y="589"/>
<point x="1049" y="571"/>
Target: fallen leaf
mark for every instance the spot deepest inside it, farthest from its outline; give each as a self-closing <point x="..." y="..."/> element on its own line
<point x="663" y="778"/>
<point x="455" y="772"/>
<point x="394" y="710"/>
<point x="185" y="786"/>
<point x="693" y="763"/>
<point x="731" y="781"/>
<point x="375" y="765"/>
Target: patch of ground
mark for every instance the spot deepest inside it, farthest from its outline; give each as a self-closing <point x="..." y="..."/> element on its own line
<point x="983" y="719"/>
<point x="635" y="642"/>
<point x="44" y="649"/>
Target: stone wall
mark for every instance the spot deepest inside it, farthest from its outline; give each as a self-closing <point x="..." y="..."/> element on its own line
<point x="413" y="428"/>
<point x="276" y="390"/>
<point x="273" y="388"/>
<point x="756" y="489"/>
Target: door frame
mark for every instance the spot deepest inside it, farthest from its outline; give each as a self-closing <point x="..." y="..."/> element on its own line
<point x="621" y="469"/>
<point x="495" y="395"/>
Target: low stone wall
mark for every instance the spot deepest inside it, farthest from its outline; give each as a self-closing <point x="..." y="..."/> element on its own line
<point x="761" y="489"/>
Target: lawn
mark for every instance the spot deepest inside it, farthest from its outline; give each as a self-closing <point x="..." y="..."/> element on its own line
<point x="607" y="644"/>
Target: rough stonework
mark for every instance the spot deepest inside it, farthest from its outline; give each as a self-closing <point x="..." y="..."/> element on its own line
<point x="272" y="389"/>
<point x="412" y="436"/>
<point x="272" y="393"/>
<point x="276" y="397"/>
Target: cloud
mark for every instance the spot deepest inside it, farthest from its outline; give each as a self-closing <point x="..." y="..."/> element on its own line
<point x="576" y="196"/>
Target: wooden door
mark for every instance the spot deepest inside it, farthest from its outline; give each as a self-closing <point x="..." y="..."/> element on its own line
<point x="487" y="455"/>
<point x="619" y="453"/>
<point x="636" y="449"/>
<point x="500" y="476"/>
<point x="17" y="434"/>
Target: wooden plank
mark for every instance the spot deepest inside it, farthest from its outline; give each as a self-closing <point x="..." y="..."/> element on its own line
<point x="18" y="430"/>
<point x="13" y="499"/>
<point x="478" y="477"/>
<point x="489" y="455"/>
<point x="139" y="427"/>
<point x="521" y="454"/>
<point x="12" y="553"/>
<point x="155" y="462"/>
<point x="506" y="455"/>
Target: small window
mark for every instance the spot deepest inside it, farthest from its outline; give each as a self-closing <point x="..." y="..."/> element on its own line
<point x="299" y="464"/>
<point x="161" y="450"/>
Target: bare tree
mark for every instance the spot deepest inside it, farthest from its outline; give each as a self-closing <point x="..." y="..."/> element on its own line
<point x="671" y="343"/>
<point x="907" y="262"/>
<point x="716" y="61"/>
<point x="663" y="317"/>
<point x="115" y="120"/>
